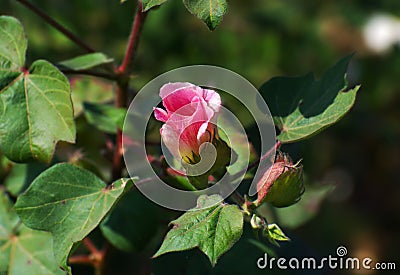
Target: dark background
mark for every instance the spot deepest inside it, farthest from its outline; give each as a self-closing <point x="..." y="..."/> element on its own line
<point x="360" y="156"/>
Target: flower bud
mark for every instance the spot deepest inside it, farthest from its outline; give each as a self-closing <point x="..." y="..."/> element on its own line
<point x="189" y="118"/>
<point x="256" y="222"/>
<point x="282" y="184"/>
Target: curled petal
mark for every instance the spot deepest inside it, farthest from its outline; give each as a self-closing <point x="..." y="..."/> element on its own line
<point x="160" y="114"/>
<point x="169" y="88"/>
<point x="213" y="99"/>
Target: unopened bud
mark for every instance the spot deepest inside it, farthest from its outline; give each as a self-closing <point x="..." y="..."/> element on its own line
<point x="256" y="222"/>
<point x="282" y="184"/>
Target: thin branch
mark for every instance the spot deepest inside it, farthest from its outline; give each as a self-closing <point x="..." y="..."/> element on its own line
<point x="57" y="25"/>
<point x="133" y="39"/>
<point x="117" y="159"/>
<point x="266" y="155"/>
<point x="80" y="259"/>
<point x="90" y="246"/>
<point x="123" y="81"/>
<point x="90" y="73"/>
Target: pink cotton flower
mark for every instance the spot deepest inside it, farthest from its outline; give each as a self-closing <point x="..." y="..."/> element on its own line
<point x="190" y="115"/>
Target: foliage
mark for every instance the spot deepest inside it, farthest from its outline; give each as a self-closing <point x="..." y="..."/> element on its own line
<point x="42" y="231"/>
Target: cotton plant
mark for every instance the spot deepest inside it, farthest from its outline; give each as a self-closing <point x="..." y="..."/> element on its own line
<point x="45" y="224"/>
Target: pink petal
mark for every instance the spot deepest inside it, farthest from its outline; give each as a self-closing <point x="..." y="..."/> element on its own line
<point x="160" y="114"/>
<point x="171" y="140"/>
<point x="213" y="99"/>
<point x="179" y="98"/>
<point x="169" y="88"/>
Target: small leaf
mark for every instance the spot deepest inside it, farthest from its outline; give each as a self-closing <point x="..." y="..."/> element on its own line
<point x="274" y="234"/>
<point x="213" y="230"/>
<point x="209" y="11"/>
<point x="302" y="106"/>
<point x="23" y="250"/>
<point x="69" y="202"/>
<point x="139" y="218"/>
<point x="87" y="61"/>
<point x="105" y="117"/>
<point x="35" y="105"/>
<point x="148" y="4"/>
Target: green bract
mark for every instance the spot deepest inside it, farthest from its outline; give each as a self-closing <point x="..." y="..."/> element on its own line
<point x="287" y="188"/>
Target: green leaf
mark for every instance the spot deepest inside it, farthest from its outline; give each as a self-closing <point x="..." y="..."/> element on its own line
<point x="105" y="117"/>
<point x="139" y="217"/>
<point x="90" y="89"/>
<point x="209" y="11"/>
<point x="35" y="105"/>
<point x="13" y="46"/>
<point x="274" y="234"/>
<point x="148" y="4"/>
<point x="302" y="106"/>
<point x="69" y="202"/>
<point x="87" y="61"/>
<point x="23" y="250"/>
<point x="21" y="176"/>
<point x="213" y="230"/>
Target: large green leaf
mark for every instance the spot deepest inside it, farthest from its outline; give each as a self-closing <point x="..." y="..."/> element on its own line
<point x="35" y="105"/>
<point x="209" y="11"/>
<point x="302" y="106"/>
<point x="88" y="61"/>
<point x="214" y="230"/>
<point x="139" y="217"/>
<point x="23" y="250"/>
<point x="69" y="202"/>
<point x="148" y="4"/>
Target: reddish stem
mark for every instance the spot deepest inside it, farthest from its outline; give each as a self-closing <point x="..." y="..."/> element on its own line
<point x="266" y="155"/>
<point x="57" y="25"/>
<point x="133" y="39"/>
<point x="96" y="258"/>
<point x="90" y="246"/>
<point x="117" y="159"/>
<point x="123" y="81"/>
<point x="80" y="259"/>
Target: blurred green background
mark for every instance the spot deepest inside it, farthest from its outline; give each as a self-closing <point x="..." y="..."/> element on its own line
<point x="360" y="156"/>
